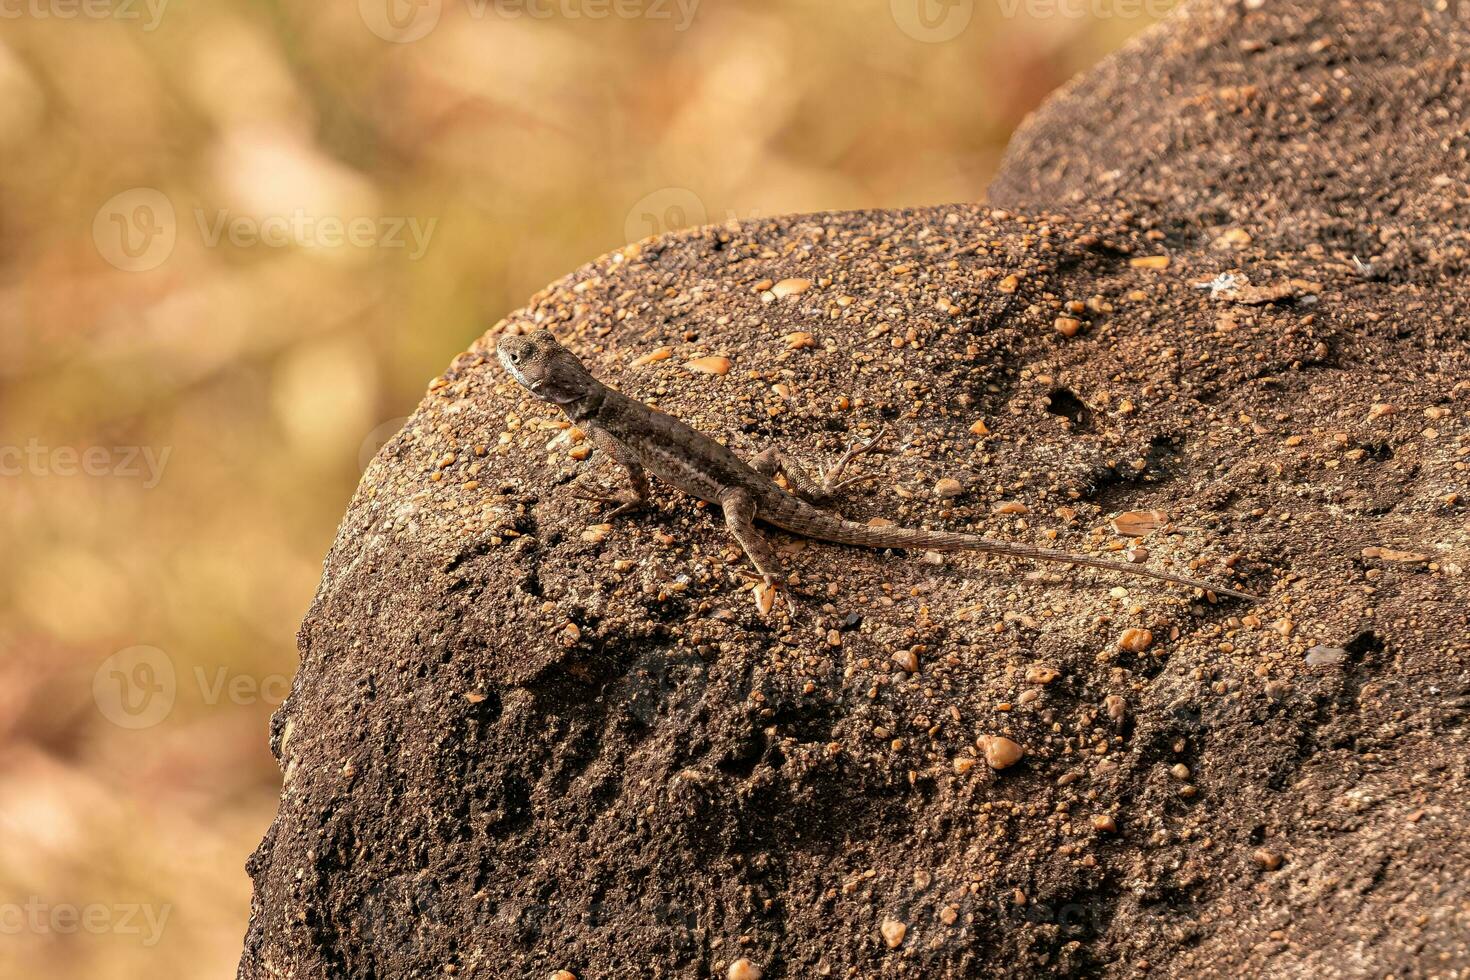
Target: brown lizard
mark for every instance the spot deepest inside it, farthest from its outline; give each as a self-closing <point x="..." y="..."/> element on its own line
<point x="644" y="440"/>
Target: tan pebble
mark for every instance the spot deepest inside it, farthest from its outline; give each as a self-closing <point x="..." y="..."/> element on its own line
<point x="1188" y="790"/>
<point x="1154" y="262"/>
<point x="979" y="428"/>
<point x="709" y="365"/>
<point x="563" y="975"/>
<point x="1009" y="284"/>
<point x="963" y="764"/>
<point x="1268" y="860"/>
<point x="1010" y="507"/>
<point x="763" y="285"/>
<point x="1139" y="523"/>
<point x="474" y="697"/>
<point x="1001" y="752"/>
<point x="1041" y="675"/>
<point x="800" y="340"/>
<point x="948" y="915"/>
<point x="743" y="969"/>
<point x="948" y="487"/>
<point x="1067" y="326"/>
<point x="1436" y="413"/>
<point x="908" y="660"/>
<point x="1029" y="696"/>
<point x="1137" y="296"/>
<point x="1116" y="707"/>
<point x="1105" y="823"/>
<point x="893" y="932"/>
<point x="1135" y="640"/>
<point x="1179" y="771"/>
<point x="657" y="354"/>
<point x="790" y="287"/>
<point x="1380" y="409"/>
<point x="596" y="533"/>
<point x="581" y="451"/>
<point x="1234" y="238"/>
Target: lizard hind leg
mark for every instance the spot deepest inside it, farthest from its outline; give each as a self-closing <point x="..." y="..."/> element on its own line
<point x="739" y="510"/>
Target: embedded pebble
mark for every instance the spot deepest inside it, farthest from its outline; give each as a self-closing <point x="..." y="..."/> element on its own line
<point x="948" y="487"/>
<point x="709" y="365"/>
<point x="790" y="287"/>
<point x="1268" y="860"/>
<point x="1139" y="523"/>
<point x="1135" y="640"/>
<point x="658" y="354"/>
<point x="893" y="932"/>
<point x="1001" y="752"/>
<point x="743" y="969"/>
<point x="799" y="340"/>
<point x="1105" y="823"/>
<point x="1041" y="675"/>
<point x="1115" y="706"/>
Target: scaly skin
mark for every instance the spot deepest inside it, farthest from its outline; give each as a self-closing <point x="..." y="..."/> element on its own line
<point x="642" y="439"/>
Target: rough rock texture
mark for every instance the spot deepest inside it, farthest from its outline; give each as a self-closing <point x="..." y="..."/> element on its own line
<point x="520" y="742"/>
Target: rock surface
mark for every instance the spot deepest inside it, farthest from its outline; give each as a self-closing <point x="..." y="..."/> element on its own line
<point x="521" y="741"/>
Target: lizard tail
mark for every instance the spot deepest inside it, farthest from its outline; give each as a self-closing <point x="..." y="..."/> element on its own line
<point x="823" y="526"/>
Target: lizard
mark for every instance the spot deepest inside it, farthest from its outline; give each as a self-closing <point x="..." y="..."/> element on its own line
<point x="643" y="440"/>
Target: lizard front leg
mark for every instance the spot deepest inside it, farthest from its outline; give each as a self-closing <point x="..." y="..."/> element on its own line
<point x="637" y="493"/>
<point x="739" y="508"/>
<point x="821" y="490"/>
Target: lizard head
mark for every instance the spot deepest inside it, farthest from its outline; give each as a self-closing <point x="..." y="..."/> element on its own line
<point x="543" y="367"/>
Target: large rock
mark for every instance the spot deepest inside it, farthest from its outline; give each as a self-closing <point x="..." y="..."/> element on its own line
<point x="519" y="744"/>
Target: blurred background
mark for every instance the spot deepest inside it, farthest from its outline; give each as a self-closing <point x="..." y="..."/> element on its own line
<point x="236" y="241"/>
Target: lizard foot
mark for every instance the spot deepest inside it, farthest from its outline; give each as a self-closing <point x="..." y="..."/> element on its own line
<point x="766" y="590"/>
<point x="832" y="481"/>
<point x="622" y="501"/>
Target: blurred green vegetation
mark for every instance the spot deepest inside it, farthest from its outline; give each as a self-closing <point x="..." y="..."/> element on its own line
<point x="175" y="179"/>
